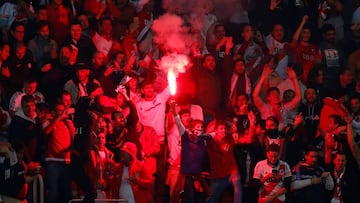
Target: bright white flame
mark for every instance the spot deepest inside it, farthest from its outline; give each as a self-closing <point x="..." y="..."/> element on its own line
<point x="172" y="81"/>
<point x="173" y="64"/>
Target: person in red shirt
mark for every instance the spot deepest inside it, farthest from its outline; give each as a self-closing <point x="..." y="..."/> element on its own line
<point x="304" y="52"/>
<point x="222" y="164"/>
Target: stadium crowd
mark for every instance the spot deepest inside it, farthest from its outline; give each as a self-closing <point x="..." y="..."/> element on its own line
<point x="267" y="109"/>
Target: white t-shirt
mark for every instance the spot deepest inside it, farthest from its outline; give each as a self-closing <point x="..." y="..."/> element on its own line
<point x="262" y="169"/>
<point x="152" y="113"/>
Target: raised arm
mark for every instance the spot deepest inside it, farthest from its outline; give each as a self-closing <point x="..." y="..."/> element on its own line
<point x="177" y="117"/>
<point x="256" y="93"/>
<point x="299" y="29"/>
<point x="295" y="101"/>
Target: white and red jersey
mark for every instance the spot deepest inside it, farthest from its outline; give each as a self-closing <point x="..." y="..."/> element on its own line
<point x="307" y="55"/>
<point x="272" y="185"/>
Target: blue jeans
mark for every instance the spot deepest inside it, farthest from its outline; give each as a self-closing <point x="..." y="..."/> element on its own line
<point x="218" y="186"/>
<point x="58" y="182"/>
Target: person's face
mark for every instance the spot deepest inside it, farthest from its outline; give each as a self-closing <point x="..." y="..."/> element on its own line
<point x="20" y="52"/>
<point x="270" y="125"/>
<point x="185" y="119"/>
<point x="125" y="158"/>
<point x="273" y="157"/>
<point x="106" y="27"/>
<point x="209" y="63"/>
<point x="310" y="96"/>
<point x="119" y="121"/>
<point x="101" y="139"/>
<point x="242" y="101"/>
<point x="99" y="59"/>
<point x="329" y="36"/>
<point x="5" y="52"/>
<point x="44" y="32"/>
<point x="273" y="97"/>
<point x="288" y="96"/>
<point x="101" y="124"/>
<point x="278" y="33"/>
<point x="119" y="57"/>
<point x="65" y="52"/>
<point x="82" y="74"/>
<point x="239" y="67"/>
<point x="20" y="155"/>
<point x="132" y="84"/>
<point x="219" y="32"/>
<point x="148" y="91"/>
<point x="29" y="109"/>
<point x="66" y="100"/>
<point x="320" y="78"/>
<point x="59" y="110"/>
<point x="339" y="162"/>
<point x="19" y="33"/>
<point x="305" y="35"/>
<point x="311" y="158"/>
<point x="42" y="15"/>
<point x="75" y="32"/>
<point x="221" y="131"/>
<point x="331" y="124"/>
<point x="84" y="21"/>
<point x="30" y="88"/>
<point x="248" y="33"/>
<point x="347" y="77"/>
<point x="198" y="129"/>
<point x="355" y="105"/>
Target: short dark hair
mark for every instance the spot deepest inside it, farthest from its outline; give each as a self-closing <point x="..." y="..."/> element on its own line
<point x="74" y="22"/>
<point x="272" y="89"/>
<point x="273" y="148"/>
<point x="195" y="122"/>
<point x="16" y="24"/>
<point x="218" y="25"/>
<point x="3" y="44"/>
<point x="311" y="148"/>
<point x="341" y="153"/>
<point x="274" y="119"/>
<point x="326" y="28"/>
<point x="205" y="56"/>
<point x="104" y="19"/>
<point x="26" y="99"/>
<point x="42" y="24"/>
<point x="183" y="111"/>
<point x="220" y="123"/>
<point x="30" y="80"/>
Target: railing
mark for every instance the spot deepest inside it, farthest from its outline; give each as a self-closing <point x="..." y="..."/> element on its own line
<point x="101" y="200"/>
<point x="38" y="183"/>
